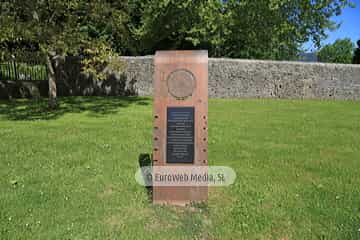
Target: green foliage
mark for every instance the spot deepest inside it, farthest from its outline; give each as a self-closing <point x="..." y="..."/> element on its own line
<point x="264" y="29"/>
<point x="356" y="59"/>
<point x="272" y="29"/>
<point x="24" y="71"/>
<point x="341" y="51"/>
<point x="162" y="24"/>
<point x="61" y="28"/>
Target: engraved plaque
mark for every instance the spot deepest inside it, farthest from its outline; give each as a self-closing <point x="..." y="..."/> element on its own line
<point x="180" y="135"/>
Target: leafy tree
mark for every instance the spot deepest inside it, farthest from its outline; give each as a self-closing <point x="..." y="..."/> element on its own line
<point x="97" y="30"/>
<point x="356" y="59"/>
<point x="341" y="51"/>
<point x="60" y="28"/>
<point x="162" y="24"/>
<point x="272" y="29"/>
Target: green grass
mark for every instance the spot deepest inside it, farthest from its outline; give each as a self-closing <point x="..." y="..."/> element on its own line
<point x="69" y="174"/>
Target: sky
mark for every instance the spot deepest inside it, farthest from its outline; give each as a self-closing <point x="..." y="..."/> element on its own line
<point x="350" y="27"/>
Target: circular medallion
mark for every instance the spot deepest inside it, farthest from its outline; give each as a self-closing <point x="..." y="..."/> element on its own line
<point x="181" y="84"/>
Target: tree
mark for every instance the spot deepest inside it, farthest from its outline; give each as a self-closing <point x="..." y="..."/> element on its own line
<point x="61" y="28"/>
<point x="99" y="29"/>
<point x="356" y="59"/>
<point x="269" y="29"/>
<point x="341" y="51"/>
<point x="162" y="25"/>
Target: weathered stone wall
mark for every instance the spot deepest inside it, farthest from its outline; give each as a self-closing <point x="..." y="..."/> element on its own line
<point x="270" y="79"/>
<point x="228" y="78"/>
<point x="235" y="78"/>
<point x="23" y="89"/>
<point x="140" y="72"/>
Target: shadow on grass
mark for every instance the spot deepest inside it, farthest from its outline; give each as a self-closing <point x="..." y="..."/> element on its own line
<point x="145" y="161"/>
<point x="24" y="109"/>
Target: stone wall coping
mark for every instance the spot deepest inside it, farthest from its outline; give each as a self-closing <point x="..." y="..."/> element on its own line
<point x="239" y="60"/>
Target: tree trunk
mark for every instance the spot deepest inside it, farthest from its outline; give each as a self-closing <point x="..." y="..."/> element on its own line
<point x="53" y="104"/>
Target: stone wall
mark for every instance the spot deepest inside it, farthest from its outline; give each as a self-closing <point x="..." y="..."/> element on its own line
<point x="270" y="79"/>
<point x="228" y="78"/>
<point x="236" y="78"/>
<point x="23" y="89"/>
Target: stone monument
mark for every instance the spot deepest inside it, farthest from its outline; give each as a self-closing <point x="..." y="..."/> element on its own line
<point x="180" y="120"/>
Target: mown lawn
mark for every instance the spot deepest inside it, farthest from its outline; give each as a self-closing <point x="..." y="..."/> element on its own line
<point x="69" y="174"/>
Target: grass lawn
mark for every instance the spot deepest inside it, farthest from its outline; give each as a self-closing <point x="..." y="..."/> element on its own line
<point x="69" y="174"/>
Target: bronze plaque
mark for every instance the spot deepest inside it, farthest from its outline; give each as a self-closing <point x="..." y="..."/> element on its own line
<point x="180" y="120"/>
<point x="181" y="84"/>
